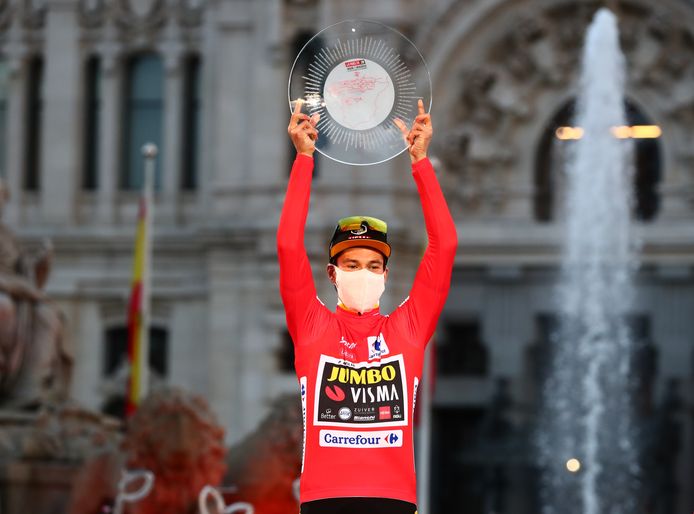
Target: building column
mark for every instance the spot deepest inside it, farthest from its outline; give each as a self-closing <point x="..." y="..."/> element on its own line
<point x="172" y="138"/>
<point x="16" y="124"/>
<point x="60" y="133"/>
<point x="110" y="127"/>
<point x="229" y="49"/>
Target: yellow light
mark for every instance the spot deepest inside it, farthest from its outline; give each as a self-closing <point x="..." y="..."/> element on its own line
<point x="568" y="133"/>
<point x="573" y="465"/>
<point x="646" y="131"/>
<point x="621" y="132"/>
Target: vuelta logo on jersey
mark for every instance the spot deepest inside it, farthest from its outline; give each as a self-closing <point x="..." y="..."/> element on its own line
<point x="377" y="346"/>
<point x="363" y="393"/>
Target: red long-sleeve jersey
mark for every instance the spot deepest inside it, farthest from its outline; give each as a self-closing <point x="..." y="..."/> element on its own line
<point x="358" y="374"/>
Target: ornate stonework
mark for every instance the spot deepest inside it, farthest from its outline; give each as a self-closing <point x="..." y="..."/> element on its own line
<point x="141" y="16"/>
<point x="33" y="13"/>
<point x="512" y="79"/>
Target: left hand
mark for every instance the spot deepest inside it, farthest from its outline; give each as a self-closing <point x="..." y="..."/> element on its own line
<point x="419" y="136"/>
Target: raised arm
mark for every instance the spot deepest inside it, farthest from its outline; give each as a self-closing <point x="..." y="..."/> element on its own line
<point x="296" y="280"/>
<point x="433" y="278"/>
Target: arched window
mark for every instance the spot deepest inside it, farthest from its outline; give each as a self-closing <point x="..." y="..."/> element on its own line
<point x="116" y="351"/>
<point x="144" y="109"/>
<point x="116" y="357"/>
<point x="4" y="95"/>
<point x="552" y="152"/>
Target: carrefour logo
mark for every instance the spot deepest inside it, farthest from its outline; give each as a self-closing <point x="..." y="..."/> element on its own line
<point x="354" y="439"/>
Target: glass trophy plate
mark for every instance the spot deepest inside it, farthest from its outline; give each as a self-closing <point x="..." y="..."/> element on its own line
<point x="359" y="76"/>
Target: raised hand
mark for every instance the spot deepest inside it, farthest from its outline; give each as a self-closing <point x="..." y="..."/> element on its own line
<point x="419" y="136"/>
<point x="302" y="130"/>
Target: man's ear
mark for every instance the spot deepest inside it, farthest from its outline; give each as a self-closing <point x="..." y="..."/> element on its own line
<point x="330" y="269"/>
<point x="385" y="275"/>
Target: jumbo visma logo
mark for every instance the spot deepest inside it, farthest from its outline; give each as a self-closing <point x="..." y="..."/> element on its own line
<point x="373" y="393"/>
<point x="363" y="376"/>
<point x="384" y="389"/>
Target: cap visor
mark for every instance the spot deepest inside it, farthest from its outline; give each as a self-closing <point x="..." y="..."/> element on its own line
<point x="380" y="246"/>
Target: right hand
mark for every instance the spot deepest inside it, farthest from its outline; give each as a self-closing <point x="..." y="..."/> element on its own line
<point x="302" y="130"/>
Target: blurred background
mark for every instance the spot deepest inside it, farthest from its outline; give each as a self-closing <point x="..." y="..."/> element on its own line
<point x="85" y="83"/>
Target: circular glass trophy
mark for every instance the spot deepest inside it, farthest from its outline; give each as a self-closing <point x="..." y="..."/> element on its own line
<point x="360" y="76"/>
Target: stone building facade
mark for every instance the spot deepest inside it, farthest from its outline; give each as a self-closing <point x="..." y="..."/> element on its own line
<point x="84" y="83"/>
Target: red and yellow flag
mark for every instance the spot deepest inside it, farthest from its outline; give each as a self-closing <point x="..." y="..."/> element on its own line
<point x="138" y="309"/>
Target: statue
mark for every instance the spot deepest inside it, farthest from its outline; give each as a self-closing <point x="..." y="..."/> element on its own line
<point x="35" y="363"/>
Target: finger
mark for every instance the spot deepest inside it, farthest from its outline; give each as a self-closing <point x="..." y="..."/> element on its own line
<point x="315" y="119"/>
<point x="401" y="125"/>
<point x="423" y="118"/>
<point x="297" y="106"/>
<point x="307" y="127"/>
<point x="296" y="114"/>
<point x="420" y="106"/>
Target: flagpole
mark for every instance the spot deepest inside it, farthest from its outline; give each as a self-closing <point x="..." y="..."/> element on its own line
<point x="149" y="153"/>
<point x="139" y="305"/>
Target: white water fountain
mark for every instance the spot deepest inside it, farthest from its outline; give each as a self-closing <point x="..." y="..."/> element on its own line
<point x="587" y="449"/>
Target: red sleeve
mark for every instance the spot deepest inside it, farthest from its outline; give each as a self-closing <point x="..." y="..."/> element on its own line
<point x="297" y="288"/>
<point x="420" y="311"/>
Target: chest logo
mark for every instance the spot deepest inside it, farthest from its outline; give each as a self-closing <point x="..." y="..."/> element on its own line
<point x="377" y="346"/>
<point x="362" y="394"/>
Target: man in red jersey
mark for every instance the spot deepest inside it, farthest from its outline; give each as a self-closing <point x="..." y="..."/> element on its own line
<point x="358" y="369"/>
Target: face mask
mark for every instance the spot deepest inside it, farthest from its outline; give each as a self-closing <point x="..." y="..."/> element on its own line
<point x="359" y="290"/>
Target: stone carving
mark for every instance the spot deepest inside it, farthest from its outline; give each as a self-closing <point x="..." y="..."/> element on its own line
<point x="64" y="432"/>
<point x="189" y="12"/>
<point x="33" y="13"/>
<point x="5" y="13"/>
<point x="35" y="362"/>
<point x="140" y="15"/>
<point x="537" y="57"/>
<point x="92" y="13"/>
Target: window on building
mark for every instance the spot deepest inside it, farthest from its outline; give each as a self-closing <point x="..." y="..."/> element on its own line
<point x="285" y="353"/>
<point x="92" y="110"/>
<point x="116" y="351"/>
<point x="192" y="123"/>
<point x="460" y="350"/>
<point x="34" y="115"/>
<point x="144" y="109"/>
<point x="4" y="95"/>
<point x="552" y="153"/>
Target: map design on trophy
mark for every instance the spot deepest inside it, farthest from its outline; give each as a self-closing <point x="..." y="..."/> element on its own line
<point x="359" y="76"/>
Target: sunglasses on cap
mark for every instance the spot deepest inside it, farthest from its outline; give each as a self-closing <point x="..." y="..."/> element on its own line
<point x="357" y="223"/>
<point x="360" y="231"/>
